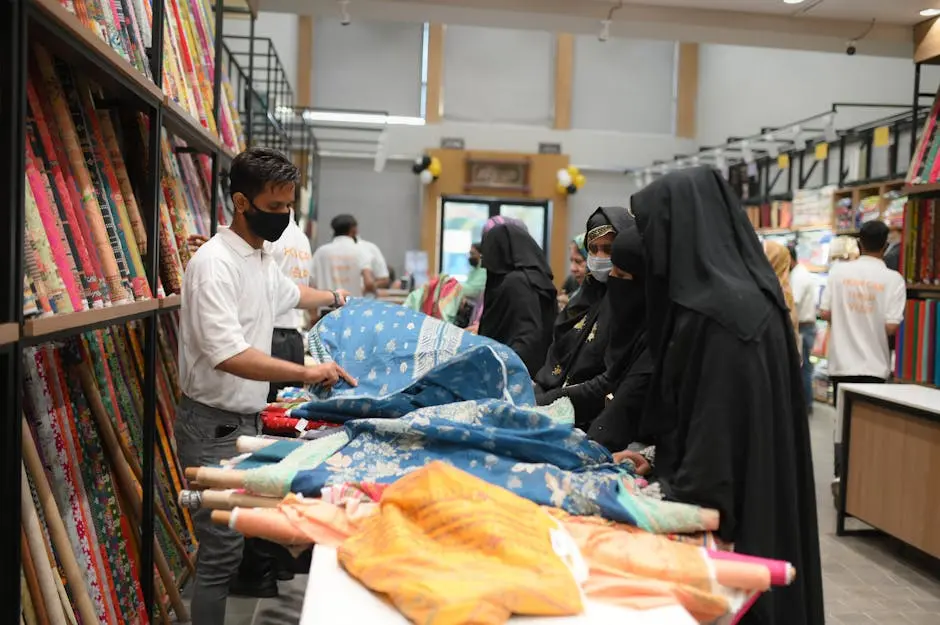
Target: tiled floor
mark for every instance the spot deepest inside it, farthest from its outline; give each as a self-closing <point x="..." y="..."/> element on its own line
<point x="869" y="579"/>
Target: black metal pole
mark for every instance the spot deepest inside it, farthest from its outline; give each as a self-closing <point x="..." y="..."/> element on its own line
<point x="915" y="106"/>
<point x="841" y="177"/>
<point x="249" y="104"/>
<point x="12" y="123"/>
<point x="216" y="109"/>
<point x="869" y="145"/>
<point x="799" y="177"/>
<point x="151" y="207"/>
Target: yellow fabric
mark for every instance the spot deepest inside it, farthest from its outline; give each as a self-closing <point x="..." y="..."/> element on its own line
<point x="448" y="549"/>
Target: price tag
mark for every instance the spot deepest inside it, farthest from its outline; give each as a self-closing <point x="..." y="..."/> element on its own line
<point x="783" y="161"/>
<point x="882" y="136"/>
<point x="822" y="151"/>
<point x="301" y="426"/>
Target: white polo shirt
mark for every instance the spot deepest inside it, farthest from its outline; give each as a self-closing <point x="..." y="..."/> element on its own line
<point x="862" y="296"/>
<point x="293" y="256"/>
<point x="339" y="264"/>
<point x="376" y="259"/>
<point x="231" y="296"/>
<point x="805" y="293"/>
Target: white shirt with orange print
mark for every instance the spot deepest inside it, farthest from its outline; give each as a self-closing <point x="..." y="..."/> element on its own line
<point x="293" y="256"/>
<point x="862" y="296"/>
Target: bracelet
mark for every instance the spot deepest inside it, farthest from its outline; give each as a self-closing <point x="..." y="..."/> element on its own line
<point x="335" y="299"/>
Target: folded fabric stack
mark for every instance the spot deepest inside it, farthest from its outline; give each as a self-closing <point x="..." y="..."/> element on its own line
<point x="449" y="492"/>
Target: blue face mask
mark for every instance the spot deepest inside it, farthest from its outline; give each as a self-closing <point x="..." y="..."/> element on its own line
<point x="599" y="267"/>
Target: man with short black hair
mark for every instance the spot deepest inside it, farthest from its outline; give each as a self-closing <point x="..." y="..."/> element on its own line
<point x="232" y="292"/>
<point x="864" y="305"/>
<point x="343" y="263"/>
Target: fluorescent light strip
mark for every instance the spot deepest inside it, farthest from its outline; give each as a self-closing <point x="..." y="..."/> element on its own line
<point x="930" y="13"/>
<point x="362" y="118"/>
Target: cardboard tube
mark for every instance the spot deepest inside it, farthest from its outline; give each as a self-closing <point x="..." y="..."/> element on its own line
<point x="57" y="532"/>
<point x="37" y="548"/>
<point x="248" y="444"/>
<point x="32" y="582"/>
<point x="216" y="478"/>
<point x="224" y="500"/>
<point x="117" y="450"/>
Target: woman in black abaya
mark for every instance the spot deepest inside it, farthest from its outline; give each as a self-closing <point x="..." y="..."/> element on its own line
<point x="519" y="297"/>
<point x="581" y="332"/>
<point x="614" y="349"/>
<point x="726" y="409"/>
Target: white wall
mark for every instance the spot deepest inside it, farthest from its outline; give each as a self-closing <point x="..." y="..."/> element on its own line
<point x="281" y="28"/>
<point x="602" y="189"/>
<point x="367" y="65"/>
<point x="387" y="205"/>
<point x="742" y="89"/>
<point x="498" y="75"/>
<point x="624" y="85"/>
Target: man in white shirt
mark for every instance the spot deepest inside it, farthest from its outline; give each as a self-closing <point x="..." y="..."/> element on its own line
<point x="377" y="264"/>
<point x="232" y="293"/>
<point x="864" y="305"/>
<point x="342" y="263"/>
<point x="804" y="298"/>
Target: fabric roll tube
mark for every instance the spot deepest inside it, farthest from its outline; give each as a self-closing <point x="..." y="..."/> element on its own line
<point x="780" y="573"/>
<point x="224" y="500"/>
<point x="248" y="444"/>
<point x="37" y="551"/>
<point x="57" y="531"/>
<point x="37" y="604"/>
<point x="28" y="611"/>
<point x="216" y="478"/>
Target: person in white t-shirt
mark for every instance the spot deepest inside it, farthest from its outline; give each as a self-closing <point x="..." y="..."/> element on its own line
<point x="377" y="263"/>
<point x="864" y="305"/>
<point x="342" y="263"/>
<point x="805" y="294"/>
<point x="232" y="292"/>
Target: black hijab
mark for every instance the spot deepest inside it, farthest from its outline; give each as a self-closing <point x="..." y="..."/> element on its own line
<point x="576" y="322"/>
<point x="703" y="254"/>
<point x="508" y="247"/>
<point x="626" y="300"/>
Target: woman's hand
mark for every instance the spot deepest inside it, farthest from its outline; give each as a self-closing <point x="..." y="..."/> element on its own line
<point x="639" y="461"/>
<point x="327" y="375"/>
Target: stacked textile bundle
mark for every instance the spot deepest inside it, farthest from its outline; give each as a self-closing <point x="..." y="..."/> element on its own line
<point x="443" y="427"/>
<point x="85" y="233"/>
<point x="82" y="441"/>
<point x="925" y="166"/>
<point x="917" y="357"/>
<point x="920" y="249"/>
<point x="188" y="56"/>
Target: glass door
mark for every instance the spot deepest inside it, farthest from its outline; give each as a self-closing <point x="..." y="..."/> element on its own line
<point x="463" y="218"/>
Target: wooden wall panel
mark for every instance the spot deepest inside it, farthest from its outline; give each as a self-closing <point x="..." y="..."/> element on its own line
<point x="564" y="80"/>
<point x="435" y="101"/>
<point x="304" y="93"/>
<point x="687" y="90"/>
<point x="542" y="180"/>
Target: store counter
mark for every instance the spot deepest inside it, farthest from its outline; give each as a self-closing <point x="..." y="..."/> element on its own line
<point x="336" y="598"/>
<point x="890" y="436"/>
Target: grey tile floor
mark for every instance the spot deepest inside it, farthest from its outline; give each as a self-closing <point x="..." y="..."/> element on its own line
<point x="868" y="579"/>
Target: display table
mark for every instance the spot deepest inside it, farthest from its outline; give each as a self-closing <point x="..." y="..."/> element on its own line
<point x="890" y="436"/>
<point x="336" y="598"/>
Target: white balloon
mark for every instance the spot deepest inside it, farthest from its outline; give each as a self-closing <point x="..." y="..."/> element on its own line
<point x="426" y="177"/>
<point x="564" y="178"/>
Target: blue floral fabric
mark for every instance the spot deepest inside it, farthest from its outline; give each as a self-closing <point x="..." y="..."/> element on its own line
<point x="405" y="360"/>
<point x="533" y="452"/>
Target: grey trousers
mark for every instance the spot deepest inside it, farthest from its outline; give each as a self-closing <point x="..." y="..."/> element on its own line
<point x="286" y="608"/>
<point x="204" y="436"/>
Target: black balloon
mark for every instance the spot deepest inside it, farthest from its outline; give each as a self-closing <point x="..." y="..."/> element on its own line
<point x="417" y="168"/>
<point x="572" y="189"/>
<point x="421" y="164"/>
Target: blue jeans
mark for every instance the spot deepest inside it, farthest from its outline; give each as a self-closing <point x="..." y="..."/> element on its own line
<point x="808" y="336"/>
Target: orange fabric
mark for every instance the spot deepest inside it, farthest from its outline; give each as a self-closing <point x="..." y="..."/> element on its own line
<point x="448" y="548"/>
<point x="300" y="522"/>
<point x="636" y="569"/>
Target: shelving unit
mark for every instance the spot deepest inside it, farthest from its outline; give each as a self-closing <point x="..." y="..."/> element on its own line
<point x="130" y="94"/>
<point x="858" y="192"/>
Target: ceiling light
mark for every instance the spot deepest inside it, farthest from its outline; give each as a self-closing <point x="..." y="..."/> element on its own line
<point x="337" y="117"/>
<point x="793" y="1"/>
<point x="930" y="13"/>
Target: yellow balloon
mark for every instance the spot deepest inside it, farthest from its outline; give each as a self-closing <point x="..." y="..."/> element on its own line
<point x="435" y="166"/>
<point x="573" y="171"/>
<point x="562" y="189"/>
<point x="579" y="180"/>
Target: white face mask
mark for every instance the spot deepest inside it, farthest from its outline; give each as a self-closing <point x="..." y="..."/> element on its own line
<point x="599" y="267"/>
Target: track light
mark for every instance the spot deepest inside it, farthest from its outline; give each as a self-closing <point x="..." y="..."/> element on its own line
<point x="344" y="17"/>
<point x="604" y="35"/>
<point x="829" y="129"/>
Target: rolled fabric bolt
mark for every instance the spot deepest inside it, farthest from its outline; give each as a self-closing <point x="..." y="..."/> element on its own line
<point x="216" y="478"/>
<point x="224" y="500"/>
<point x="782" y="573"/>
<point x="248" y="444"/>
<point x="741" y="575"/>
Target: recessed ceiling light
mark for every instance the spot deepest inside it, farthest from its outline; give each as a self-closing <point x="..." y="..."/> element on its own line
<point x="793" y="1"/>
<point x="930" y="12"/>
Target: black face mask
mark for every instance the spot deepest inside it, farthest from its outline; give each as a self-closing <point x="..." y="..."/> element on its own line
<point x="474" y="262"/>
<point x="268" y="226"/>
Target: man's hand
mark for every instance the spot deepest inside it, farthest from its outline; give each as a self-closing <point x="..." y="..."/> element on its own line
<point x="327" y="375"/>
<point x="639" y="460"/>
<point x="196" y="241"/>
